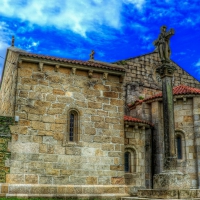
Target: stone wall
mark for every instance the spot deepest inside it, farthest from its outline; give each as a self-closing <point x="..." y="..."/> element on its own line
<point x="184" y="125"/>
<point x="8" y="85"/>
<point x="40" y="151"/>
<point x="196" y="118"/>
<point x="142" y="81"/>
<point x="135" y="142"/>
<point x="4" y="151"/>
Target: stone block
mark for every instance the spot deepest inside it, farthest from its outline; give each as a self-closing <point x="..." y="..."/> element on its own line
<point x="94" y="105"/>
<point x="28" y="147"/>
<point x="117" y="181"/>
<point x="25" y="72"/>
<point x="97" y="118"/>
<point x="108" y="147"/>
<point x="171" y="180"/>
<point x="88" y="151"/>
<point x="50" y="157"/>
<point x="117" y="167"/>
<point x="110" y="94"/>
<point x="23" y="94"/>
<point x="31" y="179"/>
<point x="101" y="125"/>
<point x="109" y="108"/>
<point x="91" y="180"/>
<point x="73" y="151"/>
<point x="112" y="120"/>
<point x="98" y="152"/>
<point x="53" y="172"/>
<point x="54" y="111"/>
<point x="50" y="97"/>
<point x="38" y="125"/>
<point x="58" y="92"/>
<point x="43" y="89"/>
<point x="45" y="180"/>
<point x="28" y="81"/>
<point x="90" y="131"/>
<point x="15" y="178"/>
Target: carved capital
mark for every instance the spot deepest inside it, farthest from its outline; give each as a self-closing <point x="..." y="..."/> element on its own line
<point x="40" y="66"/>
<point x="56" y="68"/>
<point x="166" y="70"/>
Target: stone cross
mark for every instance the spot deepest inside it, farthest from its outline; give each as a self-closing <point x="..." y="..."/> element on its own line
<point x="170" y="178"/>
<point x="13" y="41"/>
<point x="92" y="55"/>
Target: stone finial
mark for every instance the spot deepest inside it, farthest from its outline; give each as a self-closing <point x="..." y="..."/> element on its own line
<point x="13" y="41"/>
<point x="162" y="44"/>
<point x="92" y="55"/>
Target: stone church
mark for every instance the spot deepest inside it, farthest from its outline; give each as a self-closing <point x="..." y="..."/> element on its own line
<point x="91" y="129"/>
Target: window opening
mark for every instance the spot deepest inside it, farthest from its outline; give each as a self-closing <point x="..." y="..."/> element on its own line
<point x="179" y="147"/>
<point x="71" y="128"/>
<point x="127" y="159"/>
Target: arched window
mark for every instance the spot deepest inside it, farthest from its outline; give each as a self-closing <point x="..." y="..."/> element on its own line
<point x="179" y="147"/>
<point x="73" y="123"/>
<point x="127" y="162"/>
<point x="130" y="160"/>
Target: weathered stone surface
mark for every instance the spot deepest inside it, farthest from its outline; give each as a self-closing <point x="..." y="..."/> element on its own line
<point x="171" y="180"/>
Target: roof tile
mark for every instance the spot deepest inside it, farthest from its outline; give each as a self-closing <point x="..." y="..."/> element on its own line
<point x="95" y="64"/>
<point x="136" y="120"/>
<point x="178" y="90"/>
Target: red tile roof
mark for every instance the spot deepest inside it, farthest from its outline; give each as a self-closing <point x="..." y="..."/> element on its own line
<point x="136" y="120"/>
<point x="178" y="90"/>
<point x="95" y="64"/>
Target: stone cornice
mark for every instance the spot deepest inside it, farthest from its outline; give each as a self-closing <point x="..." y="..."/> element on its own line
<point x="71" y="65"/>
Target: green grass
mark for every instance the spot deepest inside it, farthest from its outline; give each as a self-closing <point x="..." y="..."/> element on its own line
<point x="47" y="198"/>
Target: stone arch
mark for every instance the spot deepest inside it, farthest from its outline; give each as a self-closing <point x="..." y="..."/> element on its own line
<point x="73" y="125"/>
<point x="180" y="145"/>
<point x="132" y="159"/>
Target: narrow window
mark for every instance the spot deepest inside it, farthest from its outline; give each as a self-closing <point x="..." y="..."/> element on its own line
<point x="179" y="147"/>
<point x="71" y="127"/>
<point x="127" y="162"/>
<point x="73" y="123"/>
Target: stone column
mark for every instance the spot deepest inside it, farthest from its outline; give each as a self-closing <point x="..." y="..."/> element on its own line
<point x="170" y="178"/>
<point x="166" y="72"/>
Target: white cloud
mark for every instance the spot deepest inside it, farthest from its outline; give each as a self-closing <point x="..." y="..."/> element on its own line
<point x="138" y="3"/>
<point x="79" y="16"/>
<point x="198" y="63"/>
<point x="5" y="39"/>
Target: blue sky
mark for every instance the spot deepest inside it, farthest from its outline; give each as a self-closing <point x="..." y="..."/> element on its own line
<point x="115" y="29"/>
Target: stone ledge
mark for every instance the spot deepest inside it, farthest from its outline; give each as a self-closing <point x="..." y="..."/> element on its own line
<point x="169" y="194"/>
<point x="73" y="191"/>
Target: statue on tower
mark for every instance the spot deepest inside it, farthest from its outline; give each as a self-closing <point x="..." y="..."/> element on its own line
<point x="162" y="44"/>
